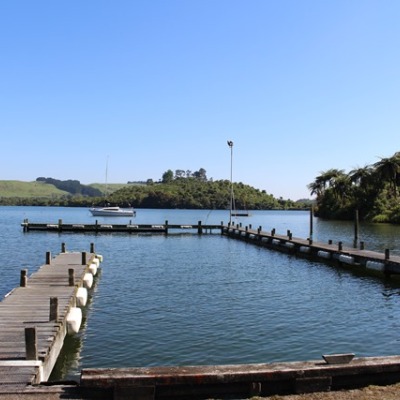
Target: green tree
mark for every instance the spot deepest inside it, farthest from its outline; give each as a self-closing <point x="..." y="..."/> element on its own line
<point x="167" y="176"/>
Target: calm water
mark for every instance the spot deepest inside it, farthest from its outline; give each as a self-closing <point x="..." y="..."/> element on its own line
<point x="186" y="299"/>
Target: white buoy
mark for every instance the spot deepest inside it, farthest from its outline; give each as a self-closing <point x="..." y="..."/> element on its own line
<point x="99" y="257"/>
<point x="305" y="249"/>
<point x="81" y="297"/>
<point x="289" y="245"/>
<point x="324" y="254"/>
<point x="96" y="261"/>
<point x="88" y="280"/>
<point x="74" y="320"/>
<point x="276" y="242"/>
<point x="346" y="259"/>
<point x="375" y="265"/>
<point x="93" y="269"/>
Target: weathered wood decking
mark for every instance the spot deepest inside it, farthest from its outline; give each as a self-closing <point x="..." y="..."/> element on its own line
<point x="33" y="318"/>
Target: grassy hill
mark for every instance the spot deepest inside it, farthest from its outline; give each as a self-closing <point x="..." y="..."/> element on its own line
<point x="29" y="189"/>
<point x="34" y="189"/>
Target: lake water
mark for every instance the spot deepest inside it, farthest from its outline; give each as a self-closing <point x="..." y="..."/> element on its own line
<point x="185" y="299"/>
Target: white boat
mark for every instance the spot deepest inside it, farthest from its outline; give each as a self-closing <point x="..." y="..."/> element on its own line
<point x="112" y="212"/>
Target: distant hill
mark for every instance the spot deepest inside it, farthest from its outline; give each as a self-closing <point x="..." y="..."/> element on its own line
<point x="45" y="188"/>
<point x="29" y="189"/>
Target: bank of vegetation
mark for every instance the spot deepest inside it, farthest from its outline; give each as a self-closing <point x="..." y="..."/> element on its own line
<point x="373" y="190"/>
<point x="179" y="190"/>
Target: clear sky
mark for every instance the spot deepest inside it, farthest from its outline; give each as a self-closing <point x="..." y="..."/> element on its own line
<point x="299" y="87"/>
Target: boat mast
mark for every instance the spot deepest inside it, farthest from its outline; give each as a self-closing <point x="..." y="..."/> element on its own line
<point x="230" y="144"/>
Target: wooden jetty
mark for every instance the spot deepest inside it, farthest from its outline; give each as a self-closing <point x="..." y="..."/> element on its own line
<point x="165" y="227"/>
<point x="36" y="317"/>
<point x="369" y="261"/>
<point x="361" y="259"/>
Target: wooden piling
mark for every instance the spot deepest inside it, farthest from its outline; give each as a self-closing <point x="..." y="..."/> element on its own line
<point x="24" y="278"/>
<point x="356" y="228"/>
<point x="48" y="257"/>
<point x="31" y="343"/>
<point x="71" y="277"/>
<point x="53" y="314"/>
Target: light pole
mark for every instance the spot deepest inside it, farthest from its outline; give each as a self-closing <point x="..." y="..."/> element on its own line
<point x="230" y="144"/>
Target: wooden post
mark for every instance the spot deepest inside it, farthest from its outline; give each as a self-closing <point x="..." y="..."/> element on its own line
<point x="60" y="225"/>
<point x="63" y="249"/>
<point x="330" y="241"/>
<point x="356" y="226"/>
<point x="199" y="228"/>
<point x="53" y="315"/>
<point x="311" y="224"/>
<point x="290" y="236"/>
<point x="92" y="250"/>
<point x="273" y="232"/>
<point x="24" y="278"/>
<point x="166" y="227"/>
<point x="71" y="277"/>
<point x="31" y="343"/>
<point x="84" y="258"/>
<point x="362" y="245"/>
<point x="387" y="254"/>
<point x="48" y="257"/>
<point x="340" y="246"/>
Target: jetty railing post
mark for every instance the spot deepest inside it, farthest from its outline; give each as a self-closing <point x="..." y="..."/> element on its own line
<point x="48" y="257"/>
<point x="63" y="248"/>
<point x="53" y="315"/>
<point x="23" y="278"/>
<point x="356" y="226"/>
<point x="92" y="249"/>
<point x="71" y="277"/>
<point x="31" y="343"/>
<point x="166" y="227"/>
<point x="362" y="245"/>
<point x="311" y="224"/>
<point x="273" y="232"/>
<point x="84" y="258"/>
<point x="199" y="228"/>
<point x="340" y="246"/>
<point x="60" y="225"/>
<point x="387" y="254"/>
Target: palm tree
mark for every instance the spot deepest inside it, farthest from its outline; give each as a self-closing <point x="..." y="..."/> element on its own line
<point x="388" y="170"/>
<point x="326" y="177"/>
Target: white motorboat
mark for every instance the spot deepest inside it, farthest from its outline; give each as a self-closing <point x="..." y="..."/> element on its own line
<point x="112" y="212"/>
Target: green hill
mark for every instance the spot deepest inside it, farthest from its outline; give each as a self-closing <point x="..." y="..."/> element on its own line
<point x="29" y="189"/>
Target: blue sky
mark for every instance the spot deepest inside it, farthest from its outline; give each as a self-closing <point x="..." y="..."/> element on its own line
<point x="299" y="87"/>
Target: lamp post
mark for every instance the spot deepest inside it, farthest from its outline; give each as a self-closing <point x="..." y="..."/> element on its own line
<point x="230" y="144"/>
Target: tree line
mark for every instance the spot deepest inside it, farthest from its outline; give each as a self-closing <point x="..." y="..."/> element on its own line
<point x="193" y="192"/>
<point x="373" y="190"/>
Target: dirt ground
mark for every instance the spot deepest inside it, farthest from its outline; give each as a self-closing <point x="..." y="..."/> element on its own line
<point x="391" y="392"/>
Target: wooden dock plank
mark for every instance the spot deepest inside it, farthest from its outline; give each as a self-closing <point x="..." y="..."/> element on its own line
<point x="30" y="306"/>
